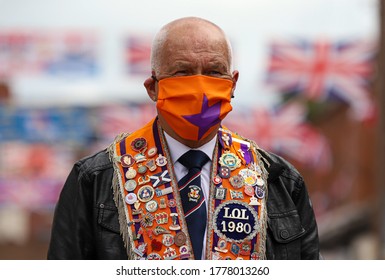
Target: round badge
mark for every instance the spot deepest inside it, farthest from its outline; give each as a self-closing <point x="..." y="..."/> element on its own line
<point x="235" y="221"/>
<point x="217" y="180"/>
<point x="171" y="203"/>
<point x="249" y="176"/>
<point x="138" y="144"/>
<point x="127" y="160"/>
<point x="237" y="181"/>
<point x="161" y="160"/>
<point x="180" y="238"/>
<point x="151" y="206"/>
<point x="152" y="152"/>
<point x="254" y="256"/>
<point x="249" y="190"/>
<point x="224" y="172"/>
<point x="146" y="193"/>
<point x="142" y="169"/>
<point x="259" y="192"/>
<point x="230" y="160"/>
<point x="131" y="173"/>
<point x="131" y="198"/>
<point x="154" y="256"/>
<point x="222" y="244"/>
<point x="168" y="239"/>
<point x="130" y="185"/>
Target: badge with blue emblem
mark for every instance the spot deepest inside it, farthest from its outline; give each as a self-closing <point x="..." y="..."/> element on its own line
<point x="235" y="221"/>
<point x="230" y="160"/>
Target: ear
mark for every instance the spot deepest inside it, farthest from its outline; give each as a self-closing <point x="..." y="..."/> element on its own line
<point x="150" y="85"/>
<point x="235" y="79"/>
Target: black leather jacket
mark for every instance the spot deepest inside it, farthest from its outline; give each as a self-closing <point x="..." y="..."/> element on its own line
<point x="86" y="225"/>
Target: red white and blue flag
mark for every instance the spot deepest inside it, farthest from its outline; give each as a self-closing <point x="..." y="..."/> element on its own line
<point x="325" y="71"/>
<point x="116" y="119"/>
<point x="284" y="131"/>
<point x="138" y="52"/>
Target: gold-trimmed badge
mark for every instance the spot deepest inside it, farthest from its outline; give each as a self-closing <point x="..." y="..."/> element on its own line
<point x="230" y="160"/>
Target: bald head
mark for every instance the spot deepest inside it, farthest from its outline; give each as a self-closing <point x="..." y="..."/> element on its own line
<point x="191" y="33"/>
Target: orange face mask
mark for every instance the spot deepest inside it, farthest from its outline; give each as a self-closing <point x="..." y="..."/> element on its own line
<point x="194" y="105"/>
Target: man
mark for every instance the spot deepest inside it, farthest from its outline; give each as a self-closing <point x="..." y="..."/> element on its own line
<point x="184" y="186"/>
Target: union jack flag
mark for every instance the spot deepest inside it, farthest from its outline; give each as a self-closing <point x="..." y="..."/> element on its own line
<point x="283" y="131"/>
<point x="138" y="51"/>
<point x="114" y="119"/>
<point x="325" y="71"/>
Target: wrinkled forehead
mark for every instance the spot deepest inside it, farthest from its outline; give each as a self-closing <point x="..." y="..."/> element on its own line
<point x="193" y="37"/>
<point x="196" y="41"/>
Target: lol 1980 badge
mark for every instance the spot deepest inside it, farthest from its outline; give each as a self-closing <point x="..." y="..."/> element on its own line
<point x="230" y="160"/>
<point x="235" y="221"/>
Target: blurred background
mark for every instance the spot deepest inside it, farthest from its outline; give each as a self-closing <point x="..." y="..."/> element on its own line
<point x="310" y="89"/>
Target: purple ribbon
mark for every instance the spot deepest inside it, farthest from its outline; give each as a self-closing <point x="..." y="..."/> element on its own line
<point x="246" y="153"/>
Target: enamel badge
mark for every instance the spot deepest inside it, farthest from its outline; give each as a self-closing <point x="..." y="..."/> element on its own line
<point x="194" y="193"/>
<point x="235" y="221"/>
<point x="230" y="160"/>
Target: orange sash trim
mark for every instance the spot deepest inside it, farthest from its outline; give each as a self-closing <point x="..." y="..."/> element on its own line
<point x="151" y="216"/>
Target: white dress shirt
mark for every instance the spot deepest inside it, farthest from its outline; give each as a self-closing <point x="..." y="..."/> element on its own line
<point x="177" y="149"/>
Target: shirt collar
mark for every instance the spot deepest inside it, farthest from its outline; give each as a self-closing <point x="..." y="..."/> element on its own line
<point x="177" y="149"/>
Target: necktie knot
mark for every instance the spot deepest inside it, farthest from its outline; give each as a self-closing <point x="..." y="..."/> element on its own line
<point x="194" y="159"/>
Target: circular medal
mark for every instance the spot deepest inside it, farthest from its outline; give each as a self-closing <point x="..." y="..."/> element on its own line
<point x="152" y="152"/>
<point x="235" y="221"/>
<point x="249" y="190"/>
<point x="224" y="172"/>
<point x="161" y="160"/>
<point x="131" y="198"/>
<point x="142" y="169"/>
<point x="130" y="185"/>
<point x="230" y="160"/>
<point x="237" y="181"/>
<point x="222" y="245"/>
<point x="168" y="239"/>
<point x="180" y="238"/>
<point x="171" y="203"/>
<point x="127" y="160"/>
<point x="138" y="144"/>
<point x="249" y="176"/>
<point x="151" y="206"/>
<point x="131" y="173"/>
<point x="217" y="180"/>
<point x="146" y="193"/>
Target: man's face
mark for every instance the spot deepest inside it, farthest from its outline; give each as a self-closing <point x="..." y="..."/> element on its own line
<point x="199" y="52"/>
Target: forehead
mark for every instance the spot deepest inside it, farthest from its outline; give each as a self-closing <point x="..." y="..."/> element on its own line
<point x="192" y="43"/>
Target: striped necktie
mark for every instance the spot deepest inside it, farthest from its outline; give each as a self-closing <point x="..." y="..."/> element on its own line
<point x="193" y="200"/>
